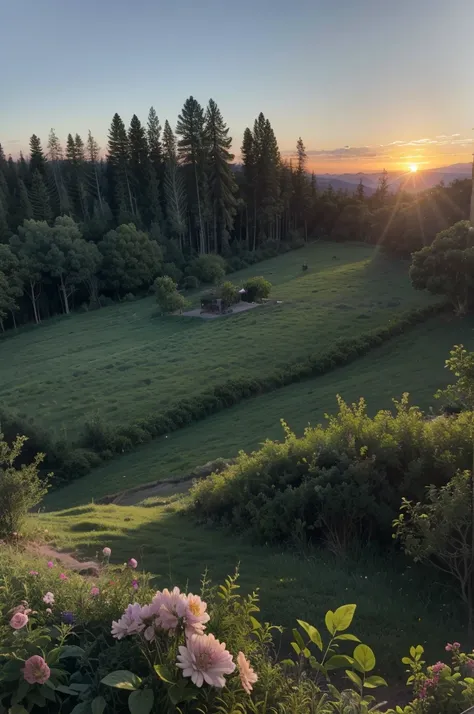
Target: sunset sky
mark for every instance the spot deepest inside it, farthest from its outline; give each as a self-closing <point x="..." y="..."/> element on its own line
<point x="367" y="84"/>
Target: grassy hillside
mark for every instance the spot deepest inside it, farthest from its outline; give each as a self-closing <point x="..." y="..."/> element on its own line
<point x="412" y="363"/>
<point x="123" y="363"/>
<point x="392" y="605"/>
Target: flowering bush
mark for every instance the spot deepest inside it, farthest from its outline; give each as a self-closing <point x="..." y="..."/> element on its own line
<point x="440" y="688"/>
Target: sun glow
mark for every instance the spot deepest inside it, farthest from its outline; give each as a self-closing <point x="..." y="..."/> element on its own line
<point x="413" y="168"/>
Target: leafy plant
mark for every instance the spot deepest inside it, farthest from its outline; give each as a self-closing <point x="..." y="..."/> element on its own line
<point x="167" y="295"/>
<point x="256" y="289"/>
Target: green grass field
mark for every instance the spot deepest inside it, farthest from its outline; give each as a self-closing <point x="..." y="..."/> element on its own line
<point x="411" y="363"/>
<point x="123" y="363"/>
<point x="394" y="609"/>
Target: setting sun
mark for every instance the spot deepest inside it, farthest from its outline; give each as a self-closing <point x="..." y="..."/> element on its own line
<point x="413" y="168"/>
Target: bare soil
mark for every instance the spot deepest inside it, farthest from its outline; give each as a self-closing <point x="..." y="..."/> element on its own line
<point x="46" y="552"/>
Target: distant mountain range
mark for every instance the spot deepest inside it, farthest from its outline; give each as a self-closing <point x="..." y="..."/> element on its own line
<point x="418" y="181"/>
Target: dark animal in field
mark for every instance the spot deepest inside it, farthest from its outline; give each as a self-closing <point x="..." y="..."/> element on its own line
<point x="304" y="267"/>
<point x="334" y="257"/>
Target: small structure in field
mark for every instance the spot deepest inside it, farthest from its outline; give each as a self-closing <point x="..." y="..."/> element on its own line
<point x="213" y="304"/>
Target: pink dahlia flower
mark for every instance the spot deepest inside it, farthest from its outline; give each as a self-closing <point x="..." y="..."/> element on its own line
<point x="95" y="591"/>
<point x="205" y="659"/>
<point x="50" y="564"/>
<point x="63" y="576"/>
<point x="247" y="674"/>
<point x="19" y="620"/>
<point x="132" y="563"/>
<point x="49" y="599"/>
<point x="171" y="607"/>
<point x="130" y="623"/>
<point x="107" y="552"/>
<point x="36" y="671"/>
<point x="193" y="610"/>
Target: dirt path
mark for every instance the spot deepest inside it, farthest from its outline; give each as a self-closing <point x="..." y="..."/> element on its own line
<point x="68" y="561"/>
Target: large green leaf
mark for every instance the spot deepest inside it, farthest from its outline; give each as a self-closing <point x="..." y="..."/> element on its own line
<point x="98" y="705"/>
<point x="364" y="657"/>
<point x="347" y="636"/>
<point x="122" y="679"/>
<point x="141" y="701"/>
<point x="71" y="651"/>
<point x="339" y="662"/>
<point x="17" y="709"/>
<point x="312" y="633"/>
<point x="375" y="681"/>
<point x="164" y="673"/>
<point x="343" y="617"/>
<point x="329" y="621"/>
<point x="81" y="708"/>
<point x="354" y="678"/>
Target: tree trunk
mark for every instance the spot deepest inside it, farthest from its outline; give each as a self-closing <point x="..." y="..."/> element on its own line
<point x="202" y="246"/>
<point x="254" y="223"/>
<point x="63" y="291"/>
<point x="99" y="196"/>
<point x="33" y="299"/>
<point x="12" y="312"/>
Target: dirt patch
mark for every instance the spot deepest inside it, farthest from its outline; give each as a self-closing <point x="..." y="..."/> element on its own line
<point x="164" y="487"/>
<point x="68" y="561"/>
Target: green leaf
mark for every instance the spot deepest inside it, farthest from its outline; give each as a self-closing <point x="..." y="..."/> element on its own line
<point x="407" y="660"/>
<point x="288" y="662"/>
<point x="98" y="705"/>
<point x="318" y="666"/>
<point x="329" y="621"/>
<point x="22" y="689"/>
<point x="343" y="617"/>
<point x="48" y="693"/>
<point x="122" y="679"/>
<point x="365" y="657"/>
<point x="312" y="633"/>
<point x="354" y="678"/>
<point x="141" y="701"/>
<point x="66" y="690"/>
<point x="71" y="651"/>
<point x="79" y="687"/>
<point x="81" y="708"/>
<point x="17" y="709"/>
<point x="255" y="623"/>
<point x="299" y="639"/>
<point x="53" y="656"/>
<point x="375" y="681"/>
<point x="296" y="648"/>
<point x="306" y="653"/>
<point x="339" y="662"/>
<point x="180" y="692"/>
<point x="164" y="673"/>
<point x="347" y="636"/>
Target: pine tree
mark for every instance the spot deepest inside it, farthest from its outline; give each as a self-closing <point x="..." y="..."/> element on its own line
<point x="37" y="157"/>
<point x="190" y="128"/>
<point x="55" y="156"/>
<point x="138" y="161"/>
<point x="118" y="162"/>
<point x="301" y="188"/>
<point x="155" y="151"/>
<point x="250" y="186"/>
<point x="174" y="187"/>
<point x="379" y="199"/>
<point x="169" y="143"/>
<point x="268" y="166"/>
<point x="23" y="170"/>
<point x="93" y="155"/>
<point x="25" y="207"/>
<point x="80" y="152"/>
<point x="4" y="232"/>
<point x="222" y="185"/>
<point x="39" y="198"/>
<point x="360" y="192"/>
<point x="70" y="150"/>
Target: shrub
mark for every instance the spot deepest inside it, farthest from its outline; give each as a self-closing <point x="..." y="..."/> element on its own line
<point x="229" y="293"/>
<point x="105" y="301"/>
<point x="129" y="297"/>
<point x="339" y="482"/>
<point x="172" y="271"/>
<point x="256" y="289"/>
<point x="20" y="486"/>
<point x="190" y="282"/>
<point x="208" y="268"/>
<point x="167" y="295"/>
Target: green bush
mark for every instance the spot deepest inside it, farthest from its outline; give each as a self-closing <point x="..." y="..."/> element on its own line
<point x="20" y="486"/>
<point x="229" y="293"/>
<point x="208" y="268"/>
<point x="190" y="282"/>
<point x="167" y="295"/>
<point x="340" y="482"/>
<point x="256" y="289"/>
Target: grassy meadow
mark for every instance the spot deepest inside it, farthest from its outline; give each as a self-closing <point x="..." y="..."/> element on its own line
<point x="124" y="362"/>
<point x="394" y="611"/>
<point x="413" y="362"/>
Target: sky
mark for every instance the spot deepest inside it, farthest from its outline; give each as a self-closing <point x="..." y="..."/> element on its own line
<point x="367" y="84"/>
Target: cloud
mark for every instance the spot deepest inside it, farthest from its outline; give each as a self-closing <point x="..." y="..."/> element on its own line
<point x="13" y="141"/>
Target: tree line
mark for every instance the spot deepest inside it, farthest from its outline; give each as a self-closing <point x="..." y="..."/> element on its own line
<point x="75" y="225"/>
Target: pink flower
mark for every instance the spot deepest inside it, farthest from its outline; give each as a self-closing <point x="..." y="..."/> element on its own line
<point x="170" y="607"/>
<point x="63" y="576"/>
<point x="205" y="659"/>
<point x="456" y="646"/>
<point x="129" y="624"/>
<point x="36" y="671"/>
<point x="95" y="591"/>
<point x="436" y="668"/>
<point x="49" y="599"/>
<point x="106" y="552"/>
<point x="247" y="674"/>
<point x="132" y="563"/>
<point x="450" y="647"/>
<point x="135" y="584"/>
<point x="34" y="572"/>
<point x="50" y="564"/>
<point x="193" y="610"/>
<point x="19" y="620"/>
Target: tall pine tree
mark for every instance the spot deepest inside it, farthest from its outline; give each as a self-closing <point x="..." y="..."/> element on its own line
<point x="118" y="168"/>
<point x="37" y="157"/>
<point x="174" y="188"/>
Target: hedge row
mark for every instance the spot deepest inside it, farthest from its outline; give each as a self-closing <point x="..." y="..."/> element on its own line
<point x="100" y="442"/>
